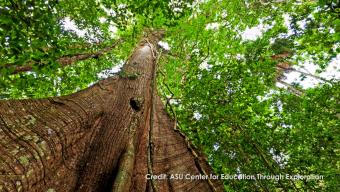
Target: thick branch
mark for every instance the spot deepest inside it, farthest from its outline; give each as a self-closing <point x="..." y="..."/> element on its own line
<point x="66" y="60"/>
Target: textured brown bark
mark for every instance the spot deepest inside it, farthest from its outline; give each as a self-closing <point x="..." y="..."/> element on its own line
<point x="99" y="139"/>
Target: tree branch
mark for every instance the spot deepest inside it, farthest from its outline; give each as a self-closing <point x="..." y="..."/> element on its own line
<point x="66" y="60"/>
<point x="291" y="88"/>
<point x="303" y="73"/>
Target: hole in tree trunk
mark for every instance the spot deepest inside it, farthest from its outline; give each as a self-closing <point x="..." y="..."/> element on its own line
<point x="135" y="104"/>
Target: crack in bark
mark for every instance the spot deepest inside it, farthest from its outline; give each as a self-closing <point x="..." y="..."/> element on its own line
<point x="150" y="144"/>
<point x="122" y="180"/>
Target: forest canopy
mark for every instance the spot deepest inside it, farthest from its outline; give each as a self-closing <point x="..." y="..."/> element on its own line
<point x="254" y="84"/>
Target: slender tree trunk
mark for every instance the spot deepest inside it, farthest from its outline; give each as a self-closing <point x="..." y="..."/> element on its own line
<point x="108" y="137"/>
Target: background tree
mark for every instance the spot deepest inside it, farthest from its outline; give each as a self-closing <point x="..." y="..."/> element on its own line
<point x="218" y="80"/>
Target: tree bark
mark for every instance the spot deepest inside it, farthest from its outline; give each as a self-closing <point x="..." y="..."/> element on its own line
<point x="108" y="137"/>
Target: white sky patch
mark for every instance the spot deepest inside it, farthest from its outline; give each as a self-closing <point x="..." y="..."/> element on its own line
<point x="280" y="158"/>
<point x="331" y="30"/>
<point x="212" y="26"/>
<point x="232" y="154"/>
<point x="110" y="12"/>
<point x="255" y="32"/>
<point x="32" y="72"/>
<point x="216" y="146"/>
<point x="279" y="106"/>
<point x="56" y="83"/>
<point x="204" y="65"/>
<point x="251" y="33"/>
<point x="217" y="76"/>
<point x="102" y="20"/>
<point x="110" y="72"/>
<point x="113" y="29"/>
<point x="70" y="25"/>
<point x="240" y="56"/>
<point x="335" y="46"/>
<point x="122" y="6"/>
<point x="224" y="14"/>
<point x="176" y="6"/>
<point x="302" y="24"/>
<point x="195" y="6"/>
<point x="164" y="45"/>
<point x="279" y="85"/>
<point x="286" y="126"/>
<point x="267" y="95"/>
<point x="177" y="9"/>
<point x="287" y="21"/>
<point x="332" y="71"/>
<point x="195" y="51"/>
<point x="174" y="102"/>
<point x="269" y="124"/>
<point x="197" y="115"/>
<point x="238" y="170"/>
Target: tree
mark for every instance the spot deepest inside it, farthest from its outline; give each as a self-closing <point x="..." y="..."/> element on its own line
<point x="218" y="84"/>
<point x="107" y="137"/>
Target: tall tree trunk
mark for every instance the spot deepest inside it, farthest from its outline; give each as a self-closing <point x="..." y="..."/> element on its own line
<point x="108" y="137"/>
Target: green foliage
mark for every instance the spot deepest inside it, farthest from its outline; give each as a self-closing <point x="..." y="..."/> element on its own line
<point x="227" y="102"/>
<point x="221" y="85"/>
